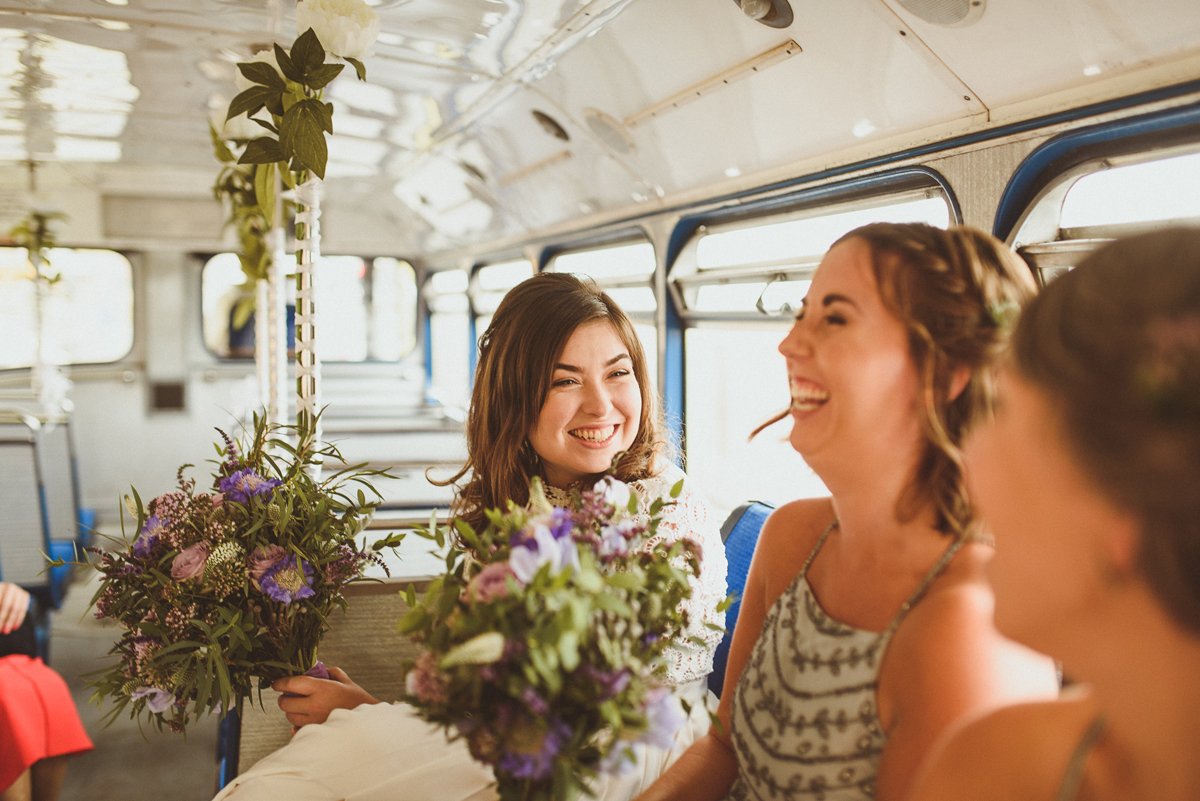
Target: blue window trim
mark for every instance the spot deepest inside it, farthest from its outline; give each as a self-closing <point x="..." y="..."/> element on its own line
<point x="1056" y="156"/>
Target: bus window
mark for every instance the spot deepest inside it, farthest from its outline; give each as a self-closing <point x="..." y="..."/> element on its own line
<point x="1103" y="199"/>
<point x="625" y="272"/>
<point x="489" y="286"/>
<point x="739" y="285"/>
<point x="367" y="308"/>
<point x="88" y="311"/>
<point x="450" y="337"/>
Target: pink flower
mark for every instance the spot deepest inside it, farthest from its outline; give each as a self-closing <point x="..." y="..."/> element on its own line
<point x="263" y="559"/>
<point x="189" y="563"/>
<point x="491" y="582"/>
<point x="425" y="681"/>
<point x="217" y="500"/>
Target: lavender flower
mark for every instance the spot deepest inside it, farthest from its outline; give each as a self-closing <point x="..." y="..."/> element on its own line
<point x="158" y="700"/>
<point x="189" y="563"/>
<point x="286" y="582"/>
<point x="664" y="718"/>
<point x="149" y="535"/>
<point x="246" y="484"/>
<point x="529" y="751"/>
<point x="545" y="549"/>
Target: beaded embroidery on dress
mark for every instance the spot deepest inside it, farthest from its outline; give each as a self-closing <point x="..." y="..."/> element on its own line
<point x="804" y="723"/>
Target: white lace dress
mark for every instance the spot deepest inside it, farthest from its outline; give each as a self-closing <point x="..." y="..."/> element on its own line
<point x="382" y="752"/>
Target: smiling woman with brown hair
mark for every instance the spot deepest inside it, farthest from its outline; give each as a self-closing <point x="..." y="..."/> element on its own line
<point x="865" y="630"/>
<point x="561" y="391"/>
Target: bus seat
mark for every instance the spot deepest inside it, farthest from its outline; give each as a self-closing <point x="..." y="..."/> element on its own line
<point x="740" y="534"/>
<point x="87" y="525"/>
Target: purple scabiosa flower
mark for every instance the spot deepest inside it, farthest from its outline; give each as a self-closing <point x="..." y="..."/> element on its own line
<point x="158" y="700"/>
<point x="529" y="747"/>
<point x="246" y="484"/>
<point x="490" y="583"/>
<point x="148" y="537"/>
<point x="610" y="682"/>
<point x="664" y="718"/>
<point x="545" y="549"/>
<point x="287" y="581"/>
<point x="189" y="563"/>
<point x="614" y="539"/>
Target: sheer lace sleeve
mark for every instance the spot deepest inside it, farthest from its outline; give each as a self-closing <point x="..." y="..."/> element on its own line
<point x="690" y="517"/>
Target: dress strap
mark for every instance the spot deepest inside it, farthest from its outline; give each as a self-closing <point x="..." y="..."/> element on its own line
<point x="930" y="577"/>
<point x="817" y="548"/>
<point x="1074" y="775"/>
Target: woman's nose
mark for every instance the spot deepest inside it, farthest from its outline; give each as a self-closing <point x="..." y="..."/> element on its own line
<point x="796" y="343"/>
<point x="597" y="400"/>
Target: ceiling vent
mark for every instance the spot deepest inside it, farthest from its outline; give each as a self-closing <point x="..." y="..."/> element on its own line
<point x="772" y="13"/>
<point x="951" y="13"/>
<point x="609" y="131"/>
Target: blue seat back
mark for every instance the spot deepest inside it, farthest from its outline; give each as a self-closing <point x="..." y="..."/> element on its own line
<point x="740" y="534"/>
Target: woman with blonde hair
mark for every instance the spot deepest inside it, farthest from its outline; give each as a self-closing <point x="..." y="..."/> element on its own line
<point x="865" y="630"/>
<point x="1089" y="476"/>
<point x="561" y="392"/>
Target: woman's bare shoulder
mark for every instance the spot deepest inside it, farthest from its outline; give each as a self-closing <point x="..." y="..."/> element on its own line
<point x="1018" y="751"/>
<point x="787" y="538"/>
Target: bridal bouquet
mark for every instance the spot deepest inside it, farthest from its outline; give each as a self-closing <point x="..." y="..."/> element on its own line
<point x="224" y="587"/>
<point x="544" y="639"/>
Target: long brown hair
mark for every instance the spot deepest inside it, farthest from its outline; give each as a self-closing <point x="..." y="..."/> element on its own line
<point x="957" y="292"/>
<point x="517" y="354"/>
<point x="1115" y="344"/>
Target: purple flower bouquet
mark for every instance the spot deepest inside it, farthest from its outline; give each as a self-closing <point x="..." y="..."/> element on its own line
<point x="223" y="590"/>
<point x="544" y="640"/>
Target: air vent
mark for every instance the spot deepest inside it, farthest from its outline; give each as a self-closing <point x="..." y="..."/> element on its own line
<point x="951" y="13"/>
<point x="609" y="131"/>
<point x="167" y="397"/>
<point x="772" y="13"/>
<point x="551" y="126"/>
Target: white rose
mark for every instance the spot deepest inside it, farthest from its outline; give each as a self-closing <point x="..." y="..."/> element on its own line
<point x="345" y="28"/>
<point x="240" y="127"/>
<point x="266" y="57"/>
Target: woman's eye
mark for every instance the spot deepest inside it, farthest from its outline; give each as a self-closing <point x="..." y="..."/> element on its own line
<point x="620" y="373"/>
<point x="563" y="382"/>
<point x="835" y="319"/>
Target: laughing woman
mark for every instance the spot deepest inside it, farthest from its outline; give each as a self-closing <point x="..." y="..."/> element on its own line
<point x="560" y="390"/>
<point x="1089" y="475"/>
<point x="865" y="629"/>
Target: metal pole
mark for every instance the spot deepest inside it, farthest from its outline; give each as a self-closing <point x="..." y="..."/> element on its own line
<point x="308" y="253"/>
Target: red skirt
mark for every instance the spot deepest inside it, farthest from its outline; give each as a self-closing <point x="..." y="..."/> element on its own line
<point x="37" y="717"/>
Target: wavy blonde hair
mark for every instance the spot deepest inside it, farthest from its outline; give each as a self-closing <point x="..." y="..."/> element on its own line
<point x="517" y="355"/>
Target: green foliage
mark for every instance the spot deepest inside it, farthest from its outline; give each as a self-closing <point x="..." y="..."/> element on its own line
<point x="195" y="594"/>
<point x="37" y="237"/>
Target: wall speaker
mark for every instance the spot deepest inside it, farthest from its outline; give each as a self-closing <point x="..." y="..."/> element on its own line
<point x="951" y="13"/>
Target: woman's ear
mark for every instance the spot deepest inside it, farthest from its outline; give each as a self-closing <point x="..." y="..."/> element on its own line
<point x="958" y="381"/>
<point x="1119" y="542"/>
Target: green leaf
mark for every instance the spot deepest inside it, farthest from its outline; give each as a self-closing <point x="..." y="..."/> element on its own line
<point x="415" y="620"/>
<point x="289" y="178"/>
<point x="287" y="66"/>
<point x="320" y="77"/>
<point x="625" y="581"/>
<point x="264" y="188"/>
<point x="220" y="149"/>
<point x="678" y="488"/>
<point x="263" y="150"/>
<point x="262" y="73"/>
<point x="250" y="101"/>
<point x="307" y="54"/>
<point x="359" y="68"/>
<point x="265" y="124"/>
<point x="568" y="650"/>
<point x="613" y="604"/>
<point x="301" y="137"/>
<point x="411" y="596"/>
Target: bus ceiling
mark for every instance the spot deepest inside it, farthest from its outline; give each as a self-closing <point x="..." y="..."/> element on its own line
<point x="491" y="123"/>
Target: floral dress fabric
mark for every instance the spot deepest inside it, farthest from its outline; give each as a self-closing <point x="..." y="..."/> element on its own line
<point x="804" y="721"/>
<point x="382" y="752"/>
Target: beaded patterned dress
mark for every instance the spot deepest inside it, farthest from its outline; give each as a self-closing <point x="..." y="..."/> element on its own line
<point x="804" y="723"/>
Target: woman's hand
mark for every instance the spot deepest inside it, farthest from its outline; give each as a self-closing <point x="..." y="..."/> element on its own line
<point x="314" y="698"/>
<point x="14" y="603"/>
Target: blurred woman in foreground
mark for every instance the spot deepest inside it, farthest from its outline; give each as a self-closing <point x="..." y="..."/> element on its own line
<point x="1089" y="477"/>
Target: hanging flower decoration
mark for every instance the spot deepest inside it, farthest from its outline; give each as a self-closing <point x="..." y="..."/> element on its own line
<point x="291" y="88"/>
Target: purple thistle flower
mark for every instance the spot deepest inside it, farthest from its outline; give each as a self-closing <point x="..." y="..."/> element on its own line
<point x="246" y="484"/>
<point x="528" y="751"/>
<point x="148" y="536"/>
<point x="285" y="582"/>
